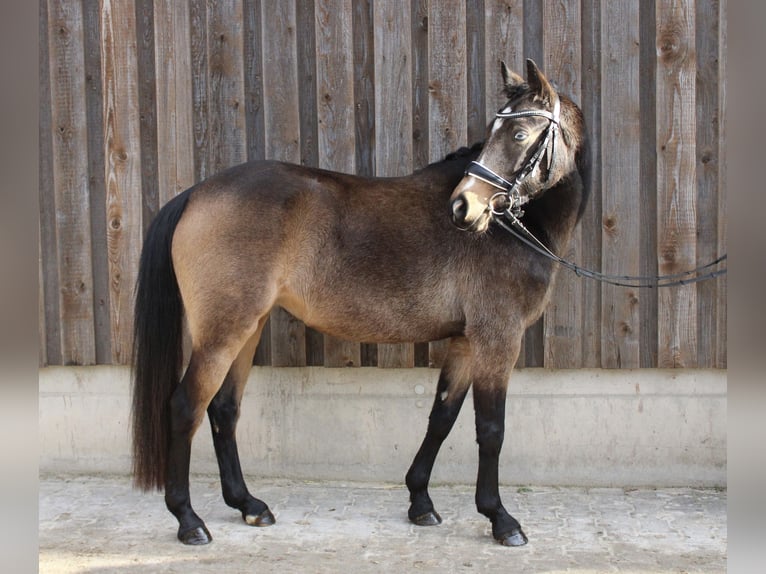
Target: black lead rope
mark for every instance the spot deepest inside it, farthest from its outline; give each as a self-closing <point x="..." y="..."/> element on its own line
<point x="518" y="230"/>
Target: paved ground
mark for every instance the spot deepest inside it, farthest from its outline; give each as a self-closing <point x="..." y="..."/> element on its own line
<point x="97" y="524"/>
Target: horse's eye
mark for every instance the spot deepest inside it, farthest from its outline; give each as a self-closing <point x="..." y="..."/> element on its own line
<point x="520" y="136"/>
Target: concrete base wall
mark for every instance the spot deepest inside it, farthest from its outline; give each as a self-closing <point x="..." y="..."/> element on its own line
<point x="575" y="428"/>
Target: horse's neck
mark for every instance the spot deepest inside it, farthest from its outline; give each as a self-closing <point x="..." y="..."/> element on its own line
<point x="554" y="215"/>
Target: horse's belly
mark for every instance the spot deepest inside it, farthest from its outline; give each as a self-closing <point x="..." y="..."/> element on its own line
<point x="376" y="321"/>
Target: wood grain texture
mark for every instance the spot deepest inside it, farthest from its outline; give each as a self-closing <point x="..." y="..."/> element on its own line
<point x="676" y="181"/>
<point x="122" y="167"/>
<point x="563" y="319"/>
<point x="620" y="177"/>
<point x="175" y="150"/>
<point x="504" y="42"/>
<point x="70" y="178"/>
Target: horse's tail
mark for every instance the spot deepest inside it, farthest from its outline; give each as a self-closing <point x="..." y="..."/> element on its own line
<point x="157" y="347"/>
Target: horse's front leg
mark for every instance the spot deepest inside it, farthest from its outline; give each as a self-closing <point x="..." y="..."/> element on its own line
<point x="450" y="393"/>
<point x="489" y="393"/>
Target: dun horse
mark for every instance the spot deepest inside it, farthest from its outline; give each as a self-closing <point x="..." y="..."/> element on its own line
<point x="385" y="260"/>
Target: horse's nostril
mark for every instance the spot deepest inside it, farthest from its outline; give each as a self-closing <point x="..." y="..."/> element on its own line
<point x="459" y="209"/>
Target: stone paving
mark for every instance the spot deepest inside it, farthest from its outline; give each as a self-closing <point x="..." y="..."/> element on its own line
<point x="101" y="525"/>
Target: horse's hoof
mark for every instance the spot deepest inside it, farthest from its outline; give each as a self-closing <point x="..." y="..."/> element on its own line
<point x="265" y="518"/>
<point x="431" y="518"/>
<point x="516" y="537"/>
<point x="196" y="536"/>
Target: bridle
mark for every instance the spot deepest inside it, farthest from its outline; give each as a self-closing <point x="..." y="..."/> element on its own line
<point x="510" y="190"/>
<point x="512" y="212"/>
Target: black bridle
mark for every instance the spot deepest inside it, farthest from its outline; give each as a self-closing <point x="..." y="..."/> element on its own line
<point x="513" y="213"/>
<point x="510" y="190"/>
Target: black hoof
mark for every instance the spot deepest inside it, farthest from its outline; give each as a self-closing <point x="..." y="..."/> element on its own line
<point x="515" y="537"/>
<point x="265" y="518"/>
<point x="431" y="518"/>
<point x="196" y="536"/>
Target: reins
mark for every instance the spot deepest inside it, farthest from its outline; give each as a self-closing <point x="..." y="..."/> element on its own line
<point x="510" y="191"/>
<point x="519" y="230"/>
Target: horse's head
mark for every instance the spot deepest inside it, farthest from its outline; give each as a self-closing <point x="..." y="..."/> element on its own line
<point x="530" y="147"/>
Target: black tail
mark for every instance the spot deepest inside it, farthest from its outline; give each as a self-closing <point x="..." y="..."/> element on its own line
<point x="157" y="347"/>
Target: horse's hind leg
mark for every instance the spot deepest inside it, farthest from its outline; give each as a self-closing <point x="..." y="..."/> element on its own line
<point x="204" y="376"/>
<point x="223" y="413"/>
<point x="454" y="381"/>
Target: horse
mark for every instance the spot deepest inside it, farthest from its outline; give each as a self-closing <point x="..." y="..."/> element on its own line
<point x="382" y="260"/>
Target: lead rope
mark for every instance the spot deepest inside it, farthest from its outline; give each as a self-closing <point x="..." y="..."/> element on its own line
<point x="519" y="230"/>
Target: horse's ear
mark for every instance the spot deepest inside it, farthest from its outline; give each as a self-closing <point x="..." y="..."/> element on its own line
<point x="539" y="83"/>
<point x="510" y="79"/>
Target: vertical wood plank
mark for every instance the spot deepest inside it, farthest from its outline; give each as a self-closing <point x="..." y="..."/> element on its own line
<point x="504" y="42"/>
<point x="707" y="168"/>
<point x="591" y="220"/>
<point x="476" y="81"/>
<point x="253" y="46"/>
<point x="721" y="309"/>
<point x="393" y="136"/>
<point x="283" y="137"/>
<point x="51" y="335"/>
<point x="96" y="182"/>
<point x="676" y="184"/>
<point x="648" y="194"/>
<point x="70" y="176"/>
<point x="620" y="154"/>
<point x="199" y="70"/>
<point x="562" y="56"/>
<point x="420" y="89"/>
<point x="123" y="166"/>
<point x="227" y="134"/>
<point x="175" y="151"/>
<point x="335" y="113"/>
<point x="448" y="97"/>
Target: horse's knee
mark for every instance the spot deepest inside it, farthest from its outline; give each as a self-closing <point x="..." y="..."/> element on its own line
<point x="489" y="436"/>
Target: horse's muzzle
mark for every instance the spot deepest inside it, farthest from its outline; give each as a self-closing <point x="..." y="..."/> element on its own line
<point x="467" y="209"/>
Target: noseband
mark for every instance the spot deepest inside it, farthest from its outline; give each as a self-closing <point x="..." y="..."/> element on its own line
<point x="510" y="191"/>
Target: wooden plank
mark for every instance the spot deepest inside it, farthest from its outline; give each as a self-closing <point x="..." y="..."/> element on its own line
<point x="475" y="49"/>
<point x="226" y="107"/>
<point x="621" y="156"/>
<point x="97" y="185"/>
<point x="335" y="113"/>
<point x="282" y="136"/>
<point x="647" y="241"/>
<point x="420" y="79"/>
<point x="676" y="185"/>
<point x="253" y="74"/>
<point x="707" y="168"/>
<point x="175" y="151"/>
<point x="590" y="254"/>
<point x="393" y="136"/>
<point x="123" y="167"/>
<point x="50" y="325"/>
<point x="448" y="97"/>
<point x="563" y="320"/>
<point x="200" y="95"/>
<point x="504" y="42"/>
<point x="721" y="310"/>
<point x="70" y="177"/>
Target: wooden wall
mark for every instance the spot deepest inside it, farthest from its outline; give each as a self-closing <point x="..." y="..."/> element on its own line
<point x="141" y="98"/>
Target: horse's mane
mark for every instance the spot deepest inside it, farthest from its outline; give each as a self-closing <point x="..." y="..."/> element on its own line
<point x="464" y="152"/>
